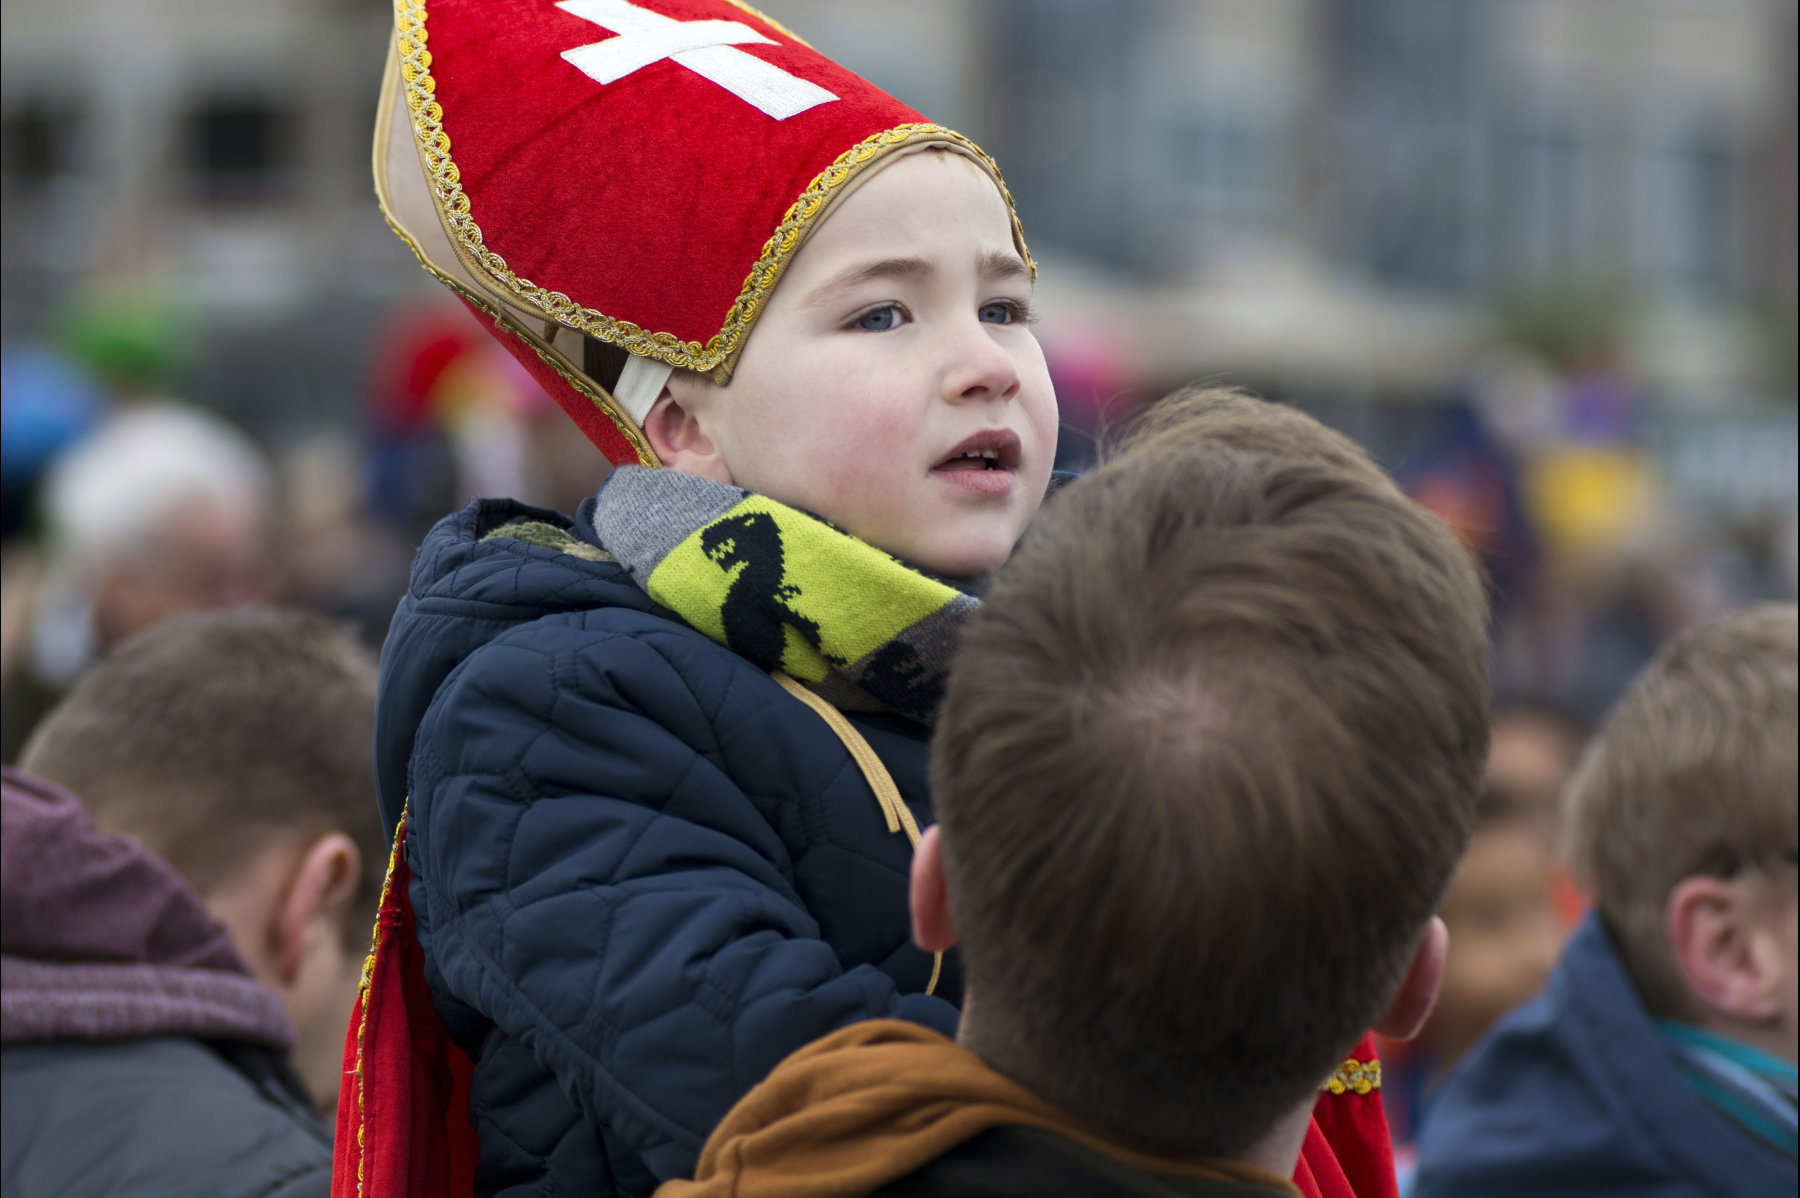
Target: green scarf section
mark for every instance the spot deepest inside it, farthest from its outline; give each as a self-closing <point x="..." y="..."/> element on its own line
<point x="785" y="589"/>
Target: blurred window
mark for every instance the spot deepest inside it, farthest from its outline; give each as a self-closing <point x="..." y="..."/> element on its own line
<point x="239" y="149"/>
<point x="1544" y="178"/>
<point x="1223" y="157"/>
<point x="1686" y="218"/>
<point x="1408" y="116"/>
<point x="38" y="141"/>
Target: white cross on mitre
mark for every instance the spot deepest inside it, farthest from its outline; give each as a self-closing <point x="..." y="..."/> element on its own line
<point x="703" y="47"/>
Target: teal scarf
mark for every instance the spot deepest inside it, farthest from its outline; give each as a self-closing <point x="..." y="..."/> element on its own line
<point x="1753" y="1089"/>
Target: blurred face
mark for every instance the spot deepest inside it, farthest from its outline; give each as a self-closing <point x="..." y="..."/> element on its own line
<point x="1504" y="935"/>
<point x="892" y="385"/>
<point x="209" y="556"/>
<point x="1785" y="919"/>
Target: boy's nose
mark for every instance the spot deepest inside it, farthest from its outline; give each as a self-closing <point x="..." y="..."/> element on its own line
<point x="979" y="367"/>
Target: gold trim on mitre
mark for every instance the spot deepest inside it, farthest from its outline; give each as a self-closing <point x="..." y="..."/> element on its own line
<point x="407" y="205"/>
<point x="488" y="271"/>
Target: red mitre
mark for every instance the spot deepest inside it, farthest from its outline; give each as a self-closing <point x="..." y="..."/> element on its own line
<point x="597" y="176"/>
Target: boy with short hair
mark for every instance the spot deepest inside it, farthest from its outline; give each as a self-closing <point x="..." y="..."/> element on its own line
<point x="230" y="744"/>
<point x="1660" y="1059"/>
<point x="1208" y="755"/>
<point x="180" y="964"/>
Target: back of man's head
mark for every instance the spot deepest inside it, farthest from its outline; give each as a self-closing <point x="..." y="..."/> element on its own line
<point x="212" y="733"/>
<point x="1692" y="776"/>
<point x="1207" y="759"/>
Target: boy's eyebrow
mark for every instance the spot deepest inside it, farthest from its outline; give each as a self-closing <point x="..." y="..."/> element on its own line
<point x="1002" y="264"/>
<point x="864" y="272"/>
<point x="996" y="264"/>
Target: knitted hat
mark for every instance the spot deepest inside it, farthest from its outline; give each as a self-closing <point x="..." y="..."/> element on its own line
<point x="616" y="186"/>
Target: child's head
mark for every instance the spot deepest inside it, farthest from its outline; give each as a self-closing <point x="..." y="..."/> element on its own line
<point x="844" y="308"/>
<point x="235" y="746"/>
<point x="1682" y="820"/>
<point x="1208" y="755"/>
<point x="892" y="384"/>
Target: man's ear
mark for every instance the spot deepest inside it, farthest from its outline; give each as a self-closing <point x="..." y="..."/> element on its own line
<point x="317" y="901"/>
<point x="1418" y="992"/>
<point x="1720" y="945"/>
<point x="680" y="437"/>
<point x="929" y="897"/>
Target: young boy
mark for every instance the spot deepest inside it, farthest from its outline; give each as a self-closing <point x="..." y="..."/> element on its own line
<point x="1660" y="1059"/>
<point x="646" y="864"/>
<point x="1207" y="758"/>
<point x="663" y="763"/>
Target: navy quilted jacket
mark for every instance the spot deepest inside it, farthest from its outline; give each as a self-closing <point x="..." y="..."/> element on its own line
<point x="644" y="873"/>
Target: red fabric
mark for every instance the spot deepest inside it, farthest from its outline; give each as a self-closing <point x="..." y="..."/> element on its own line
<point x="418" y="346"/>
<point x="598" y="427"/>
<point x="1348" y="1152"/>
<point x="402" y="1118"/>
<point x="648" y="199"/>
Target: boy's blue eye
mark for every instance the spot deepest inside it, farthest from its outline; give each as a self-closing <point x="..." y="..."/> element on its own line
<point x="999" y="312"/>
<point x="879" y="320"/>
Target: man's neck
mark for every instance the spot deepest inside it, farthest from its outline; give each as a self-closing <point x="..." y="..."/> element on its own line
<point x="1277" y="1151"/>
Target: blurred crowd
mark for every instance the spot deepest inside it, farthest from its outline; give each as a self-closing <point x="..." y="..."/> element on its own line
<point x="125" y="506"/>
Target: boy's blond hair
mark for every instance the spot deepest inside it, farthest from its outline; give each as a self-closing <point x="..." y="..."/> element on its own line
<point x="1693" y="772"/>
<point x="1208" y="756"/>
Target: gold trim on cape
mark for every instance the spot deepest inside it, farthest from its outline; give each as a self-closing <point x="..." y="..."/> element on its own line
<point x="1354" y="1077"/>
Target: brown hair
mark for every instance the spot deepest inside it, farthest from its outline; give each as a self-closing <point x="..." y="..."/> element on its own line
<point x="210" y="734"/>
<point x="1208" y="756"/>
<point x="1693" y="772"/>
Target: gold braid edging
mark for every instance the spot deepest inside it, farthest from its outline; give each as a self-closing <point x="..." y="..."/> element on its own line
<point x="583" y="385"/>
<point x="771" y="22"/>
<point x="1355" y="1077"/>
<point x="445" y="180"/>
<point x="362" y="996"/>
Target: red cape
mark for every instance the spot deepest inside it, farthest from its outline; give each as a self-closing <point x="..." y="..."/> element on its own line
<point x="402" y="1118"/>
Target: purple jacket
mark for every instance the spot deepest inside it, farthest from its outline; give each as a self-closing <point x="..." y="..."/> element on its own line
<point x="101" y="940"/>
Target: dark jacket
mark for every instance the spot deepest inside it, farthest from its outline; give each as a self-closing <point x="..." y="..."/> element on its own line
<point x="1575" y="1094"/>
<point x="1028" y="1162"/>
<point x="644" y="873"/>
<point x="139" y="1058"/>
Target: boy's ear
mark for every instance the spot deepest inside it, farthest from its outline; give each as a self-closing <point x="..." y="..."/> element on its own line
<point x="1418" y="992"/>
<point x="1727" y="955"/>
<point x="681" y="441"/>
<point x="932" y="928"/>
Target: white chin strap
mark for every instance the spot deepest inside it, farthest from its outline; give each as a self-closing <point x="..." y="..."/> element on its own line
<point x="639" y="384"/>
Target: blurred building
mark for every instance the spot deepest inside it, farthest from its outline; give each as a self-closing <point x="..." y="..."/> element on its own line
<point x="1346" y="201"/>
<point x="1353" y="201"/>
<point x="218" y="152"/>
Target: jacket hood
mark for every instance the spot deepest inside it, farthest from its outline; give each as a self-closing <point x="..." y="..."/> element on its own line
<point x="871" y="1103"/>
<point x="103" y="940"/>
<point x="1576" y="1093"/>
<point x="481" y="572"/>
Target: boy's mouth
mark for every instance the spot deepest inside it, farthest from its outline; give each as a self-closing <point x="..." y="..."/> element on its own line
<point x="993" y="449"/>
